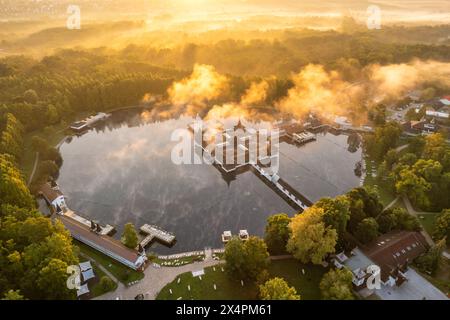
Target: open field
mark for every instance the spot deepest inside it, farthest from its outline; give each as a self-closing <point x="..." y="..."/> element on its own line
<point x="291" y="270"/>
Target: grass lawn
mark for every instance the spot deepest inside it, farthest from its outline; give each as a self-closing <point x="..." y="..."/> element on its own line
<point x="227" y="289"/>
<point x="428" y="221"/>
<point x="121" y="272"/>
<point x="94" y="287"/>
<point x="177" y="262"/>
<point x="384" y="190"/>
<point x="441" y="278"/>
<point x="399" y="204"/>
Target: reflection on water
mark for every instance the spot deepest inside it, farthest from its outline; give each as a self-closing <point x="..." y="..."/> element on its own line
<point x="121" y="172"/>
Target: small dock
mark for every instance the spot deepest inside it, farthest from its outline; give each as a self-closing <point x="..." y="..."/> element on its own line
<point x="82" y="125"/>
<point x="156" y="233"/>
<point x="103" y="230"/>
<point x="303" y="137"/>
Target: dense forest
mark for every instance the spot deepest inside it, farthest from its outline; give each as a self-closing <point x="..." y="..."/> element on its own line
<point x="34" y="250"/>
<point x="42" y="93"/>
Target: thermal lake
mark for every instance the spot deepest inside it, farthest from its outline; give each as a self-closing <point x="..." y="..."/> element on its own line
<point x="121" y="172"/>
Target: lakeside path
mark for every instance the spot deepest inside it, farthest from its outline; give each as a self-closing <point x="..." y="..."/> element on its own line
<point x="413" y="212"/>
<point x="36" y="161"/>
<point x="155" y="279"/>
<point x="392" y="203"/>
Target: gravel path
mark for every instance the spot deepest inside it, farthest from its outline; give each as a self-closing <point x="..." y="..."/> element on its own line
<point x="155" y="279"/>
<point x="36" y="160"/>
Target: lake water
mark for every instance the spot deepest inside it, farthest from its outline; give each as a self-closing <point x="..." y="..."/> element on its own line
<point x="122" y="172"/>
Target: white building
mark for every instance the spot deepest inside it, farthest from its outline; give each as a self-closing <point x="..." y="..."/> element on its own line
<point x="54" y="198"/>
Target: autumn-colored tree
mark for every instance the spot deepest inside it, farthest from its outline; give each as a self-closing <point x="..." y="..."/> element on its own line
<point x="311" y="239"/>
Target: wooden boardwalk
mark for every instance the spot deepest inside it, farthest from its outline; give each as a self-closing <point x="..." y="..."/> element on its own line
<point x="156" y="233"/>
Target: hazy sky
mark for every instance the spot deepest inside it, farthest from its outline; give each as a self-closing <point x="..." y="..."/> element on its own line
<point x="224" y="5"/>
<point x="409" y="10"/>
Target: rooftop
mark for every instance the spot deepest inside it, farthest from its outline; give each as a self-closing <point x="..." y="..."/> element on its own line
<point x="49" y="193"/>
<point x="394" y="249"/>
<point x="105" y="244"/>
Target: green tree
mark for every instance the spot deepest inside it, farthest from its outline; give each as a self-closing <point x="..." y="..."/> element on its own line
<point x="336" y="214"/>
<point x="39" y="144"/>
<point x="337" y="285"/>
<point x="129" y="236"/>
<point x="277" y="233"/>
<point x="47" y="168"/>
<point x="262" y="277"/>
<point x="52" y="154"/>
<point x="52" y="281"/>
<point x="246" y="259"/>
<point x="378" y="115"/>
<point x="428" y="93"/>
<point x="429" y="261"/>
<point x="364" y="202"/>
<point x="277" y="289"/>
<point x="107" y="284"/>
<point x="30" y="96"/>
<point x="390" y="158"/>
<point x="11" y="139"/>
<point x="413" y="186"/>
<point x="13" y="189"/>
<point x="311" y="240"/>
<point x="386" y="137"/>
<point x="408" y="159"/>
<point x="52" y="115"/>
<point x="442" y="226"/>
<point x="435" y="147"/>
<point x="416" y="145"/>
<point x="412" y="115"/>
<point x="367" y="230"/>
<point x="13" y="295"/>
<point x="397" y="219"/>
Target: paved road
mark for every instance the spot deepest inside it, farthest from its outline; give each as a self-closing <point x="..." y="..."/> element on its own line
<point x="36" y="160"/>
<point x="392" y="203"/>
<point x="403" y="147"/>
<point x="155" y="279"/>
<point x="413" y="212"/>
<point x="411" y="209"/>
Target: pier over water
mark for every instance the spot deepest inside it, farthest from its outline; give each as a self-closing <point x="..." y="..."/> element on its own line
<point x="238" y="148"/>
<point x="154" y="233"/>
